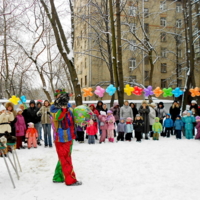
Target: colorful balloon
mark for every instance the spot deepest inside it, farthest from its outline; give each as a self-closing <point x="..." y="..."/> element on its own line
<point x="111" y="90"/>
<point x="87" y="92"/>
<point x="23" y="99"/>
<point x="14" y="100"/>
<point x="148" y="91"/>
<point x="177" y="92"/>
<point x="195" y="92"/>
<point x="82" y="114"/>
<point x="157" y="92"/>
<point x="99" y="91"/>
<point x="137" y="91"/>
<point x="167" y="92"/>
<point x="128" y="90"/>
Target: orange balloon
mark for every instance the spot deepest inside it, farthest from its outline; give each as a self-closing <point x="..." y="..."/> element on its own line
<point x="87" y="92"/>
<point x="195" y="92"/>
<point x="157" y="92"/>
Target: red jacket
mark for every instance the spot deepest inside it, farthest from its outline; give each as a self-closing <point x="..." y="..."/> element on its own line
<point x="94" y="110"/>
<point x="91" y="130"/>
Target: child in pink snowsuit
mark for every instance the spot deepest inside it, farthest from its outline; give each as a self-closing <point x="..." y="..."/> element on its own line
<point x="110" y="125"/>
<point x="103" y="126"/>
<point x="198" y="127"/>
<point x="31" y="135"/>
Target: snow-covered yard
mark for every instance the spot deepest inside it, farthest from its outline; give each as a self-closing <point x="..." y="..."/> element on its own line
<point x="167" y="169"/>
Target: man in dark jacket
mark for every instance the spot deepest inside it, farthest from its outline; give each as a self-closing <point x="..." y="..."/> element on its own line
<point x="31" y="116"/>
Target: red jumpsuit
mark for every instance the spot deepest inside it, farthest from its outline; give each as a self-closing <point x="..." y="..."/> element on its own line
<point x="32" y="136"/>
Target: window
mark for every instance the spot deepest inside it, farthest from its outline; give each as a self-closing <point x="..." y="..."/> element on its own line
<point x="146" y="27"/>
<point x="132" y="45"/>
<point x="146" y="75"/>
<point x="163" y="52"/>
<point x="179" y="53"/>
<point x="163" y="21"/>
<point x="146" y="12"/>
<point x="132" y="64"/>
<point x="132" y="11"/>
<point x="178" y="23"/>
<point x="133" y="27"/>
<point x="85" y="62"/>
<point x="178" y="8"/>
<point x="163" y="5"/>
<point x="179" y="69"/>
<point x="163" y="37"/>
<point x="146" y="60"/>
<point x="179" y="83"/>
<point x="163" y="83"/>
<point x="81" y="82"/>
<point x="163" y="67"/>
<point x="85" y="80"/>
<point x="179" y="38"/>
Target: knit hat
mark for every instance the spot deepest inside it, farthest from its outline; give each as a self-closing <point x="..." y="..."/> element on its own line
<point x="2" y="108"/>
<point x="197" y="117"/>
<point x="30" y="124"/>
<point x="168" y="114"/>
<point x="157" y="118"/>
<point x="102" y="112"/>
<point x="18" y="110"/>
<point x="138" y="115"/>
<point x="109" y="111"/>
<point x="153" y="104"/>
<point x="194" y="102"/>
<point x="189" y="111"/>
<point x="59" y="91"/>
<point x="129" y="118"/>
<point x="121" y="118"/>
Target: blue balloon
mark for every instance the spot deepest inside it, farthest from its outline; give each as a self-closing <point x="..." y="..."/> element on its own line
<point x="177" y="92"/>
<point x="111" y="90"/>
<point x="23" y="99"/>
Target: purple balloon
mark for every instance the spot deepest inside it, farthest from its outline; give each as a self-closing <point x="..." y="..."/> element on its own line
<point x="148" y="91"/>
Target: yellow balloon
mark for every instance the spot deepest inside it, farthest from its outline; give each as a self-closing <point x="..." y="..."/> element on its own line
<point x="128" y="90"/>
<point x="14" y="100"/>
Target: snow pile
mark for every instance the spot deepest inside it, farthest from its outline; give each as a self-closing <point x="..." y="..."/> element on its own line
<point x="151" y="170"/>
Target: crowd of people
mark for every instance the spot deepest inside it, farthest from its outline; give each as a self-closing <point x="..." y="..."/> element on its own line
<point x="114" y="124"/>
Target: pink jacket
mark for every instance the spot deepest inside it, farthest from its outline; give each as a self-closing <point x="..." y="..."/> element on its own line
<point x="102" y="119"/>
<point x="110" y="124"/>
<point x="20" y="126"/>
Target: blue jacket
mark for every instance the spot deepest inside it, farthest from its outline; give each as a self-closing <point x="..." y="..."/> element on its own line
<point x="178" y="124"/>
<point x="121" y="127"/>
<point x="168" y="123"/>
<point x="129" y="128"/>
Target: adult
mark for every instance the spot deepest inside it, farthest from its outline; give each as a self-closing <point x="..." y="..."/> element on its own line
<point x="99" y="106"/>
<point x="194" y="108"/>
<point x="116" y="112"/>
<point x="126" y="111"/>
<point x="134" y="109"/>
<point x="31" y="116"/>
<point x="5" y="118"/>
<point x="39" y="105"/>
<point x="105" y="108"/>
<point x="152" y="116"/>
<point x="161" y="112"/>
<point x="63" y="126"/>
<point x="10" y="108"/>
<point x="144" y="112"/>
<point x="44" y="112"/>
<point x="174" y="110"/>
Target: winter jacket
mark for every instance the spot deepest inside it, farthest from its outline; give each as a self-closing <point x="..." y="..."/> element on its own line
<point x="99" y="108"/>
<point x="157" y="127"/>
<point x="178" y="124"/>
<point x="189" y="120"/>
<point x="161" y="112"/>
<point x="116" y="112"/>
<point x="129" y="128"/>
<point x="198" y="130"/>
<point x="31" y="114"/>
<point x="20" y="126"/>
<point x="174" y="112"/>
<point x="44" y="112"/>
<point x="134" y="110"/>
<point x="62" y="124"/>
<point x="138" y="125"/>
<point x="121" y="127"/>
<point x="91" y="130"/>
<point x="5" y="119"/>
<point x="103" y="123"/>
<point x="125" y="112"/>
<point x="110" y="123"/>
<point x="95" y="111"/>
<point x="152" y="115"/>
<point x="31" y="133"/>
<point x="195" y="107"/>
<point x="168" y="123"/>
<point x="144" y="112"/>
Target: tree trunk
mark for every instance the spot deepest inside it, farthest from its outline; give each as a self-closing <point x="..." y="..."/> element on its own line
<point x="151" y="67"/>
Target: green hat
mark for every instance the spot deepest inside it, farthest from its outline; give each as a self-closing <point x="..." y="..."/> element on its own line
<point x="157" y="118"/>
<point x="59" y="91"/>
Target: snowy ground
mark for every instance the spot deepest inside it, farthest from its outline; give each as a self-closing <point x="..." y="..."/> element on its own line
<point x="152" y="170"/>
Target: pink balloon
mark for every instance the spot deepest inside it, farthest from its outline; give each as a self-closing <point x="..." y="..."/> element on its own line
<point x="99" y="91"/>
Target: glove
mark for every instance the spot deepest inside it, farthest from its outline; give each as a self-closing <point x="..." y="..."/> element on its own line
<point x="48" y="113"/>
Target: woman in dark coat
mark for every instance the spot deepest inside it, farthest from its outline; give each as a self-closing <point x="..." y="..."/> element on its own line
<point x="174" y="110"/>
<point x="144" y="112"/>
<point x="134" y="109"/>
<point x="194" y="108"/>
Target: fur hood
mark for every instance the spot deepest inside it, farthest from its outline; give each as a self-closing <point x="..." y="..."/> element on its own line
<point x="9" y="104"/>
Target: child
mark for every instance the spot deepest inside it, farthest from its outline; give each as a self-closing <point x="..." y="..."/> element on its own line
<point x="168" y="124"/>
<point x="189" y="120"/>
<point x="129" y="129"/>
<point x="91" y="130"/>
<point x="121" y="127"/>
<point x="20" y="128"/>
<point x="103" y="126"/>
<point x="80" y="134"/>
<point x="198" y="127"/>
<point x="31" y="135"/>
<point x="138" y="126"/>
<point x="110" y="120"/>
<point x="178" y="124"/>
<point x="184" y="115"/>
<point x="157" y="128"/>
